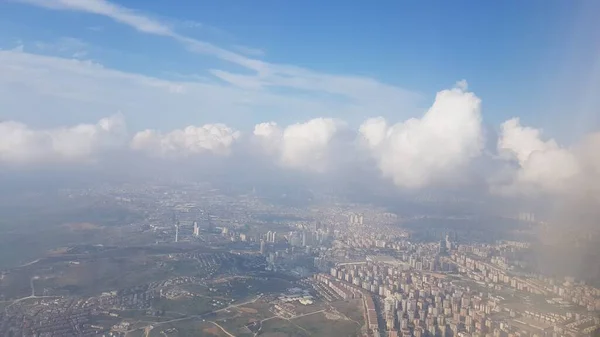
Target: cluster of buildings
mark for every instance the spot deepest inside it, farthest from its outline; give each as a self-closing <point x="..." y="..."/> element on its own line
<point x="51" y="317"/>
<point x="436" y="287"/>
<point x="498" y="274"/>
<point x="417" y="303"/>
<point x="328" y="285"/>
<point x="356" y="219"/>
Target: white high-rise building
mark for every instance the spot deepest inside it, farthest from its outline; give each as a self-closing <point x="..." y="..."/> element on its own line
<point x="271" y="236"/>
<point x="526" y="216"/>
<point x="356" y="218"/>
<point x="196" y="229"/>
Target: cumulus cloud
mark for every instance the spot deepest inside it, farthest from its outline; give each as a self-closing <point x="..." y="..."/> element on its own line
<point x="542" y="164"/>
<point x="567" y="178"/>
<point x="209" y="138"/>
<point x="420" y="152"/>
<point x="589" y="161"/>
<point x="269" y="136"/>
<point x="303" y="146"/>
<point x="20" y="144"/>
<point x="545" y="166"/>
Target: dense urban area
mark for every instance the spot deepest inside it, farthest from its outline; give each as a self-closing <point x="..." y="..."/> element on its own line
<point x="197" y="260"/>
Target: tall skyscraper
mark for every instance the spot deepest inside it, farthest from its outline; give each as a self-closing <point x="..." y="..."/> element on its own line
<point x="263" y="247"/>
<point x="211" y="226"/>
<point x="196" y="229"/>
<point x="177" y="232"/>
<point x="269" y="234"/>
<point x="443" y="249"/>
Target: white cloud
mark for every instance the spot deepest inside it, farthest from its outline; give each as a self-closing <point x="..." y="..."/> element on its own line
<point x="249" y="50"/>
<point x="105" y="8"/>
<point x="420" y="152"/>
<point x="374" y="131"/>
<point x="415" y="153"/>
<point x="359" y="92"/>
<point x="96" y="28"/>
<point x="269" y="137"/>
<point x="268" y="130"/>
<point x="192" y="24"/>
<point x="209" y="138"/>
<point x="462" y="85"/>
<point x="589" y="160"/>
<point x="67" y="46"/>
<point x="71" y="88"/>
<point x="545" y="166"/>
<point x="20" y="144"/>
<point x="144" y="24"/>
<point x="304" y="146"/>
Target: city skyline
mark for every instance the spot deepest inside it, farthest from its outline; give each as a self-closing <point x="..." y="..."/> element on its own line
<point x="240" y="262"/>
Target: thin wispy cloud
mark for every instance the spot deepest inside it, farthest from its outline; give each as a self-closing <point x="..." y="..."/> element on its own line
<point x="266" y="74"/>
<point x="192" y="24"/>
<point x="105" y="8"/>
<point x="67" y="46"/>
<point x="250" y="51"/>
<point x="96" y="28"/>
<point x="89" y="90"/>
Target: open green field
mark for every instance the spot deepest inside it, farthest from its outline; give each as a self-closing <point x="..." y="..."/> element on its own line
<point x="91" y="270"/>
<point x="241" y="288"/>
<point x="314" y="320"/>
<point x="283" y="328"/>
<point x="187" y="306"/>
<point x="186" y="327"/>
<point x="352" y="309"/>
<point x="342" y="318"/>
<point x="31" y="229"/>
<point x="323" y="325"/>
<point x="235" y="319"/>
<point x="87" y="277"/>
<point x="318" y="320"/>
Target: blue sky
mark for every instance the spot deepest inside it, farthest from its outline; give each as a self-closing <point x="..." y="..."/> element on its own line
<point x="531" y="59"/>
<point x="421" y="93"/>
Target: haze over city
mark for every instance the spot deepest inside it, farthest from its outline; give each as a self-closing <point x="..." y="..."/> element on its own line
<point x="282" y="169"/>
